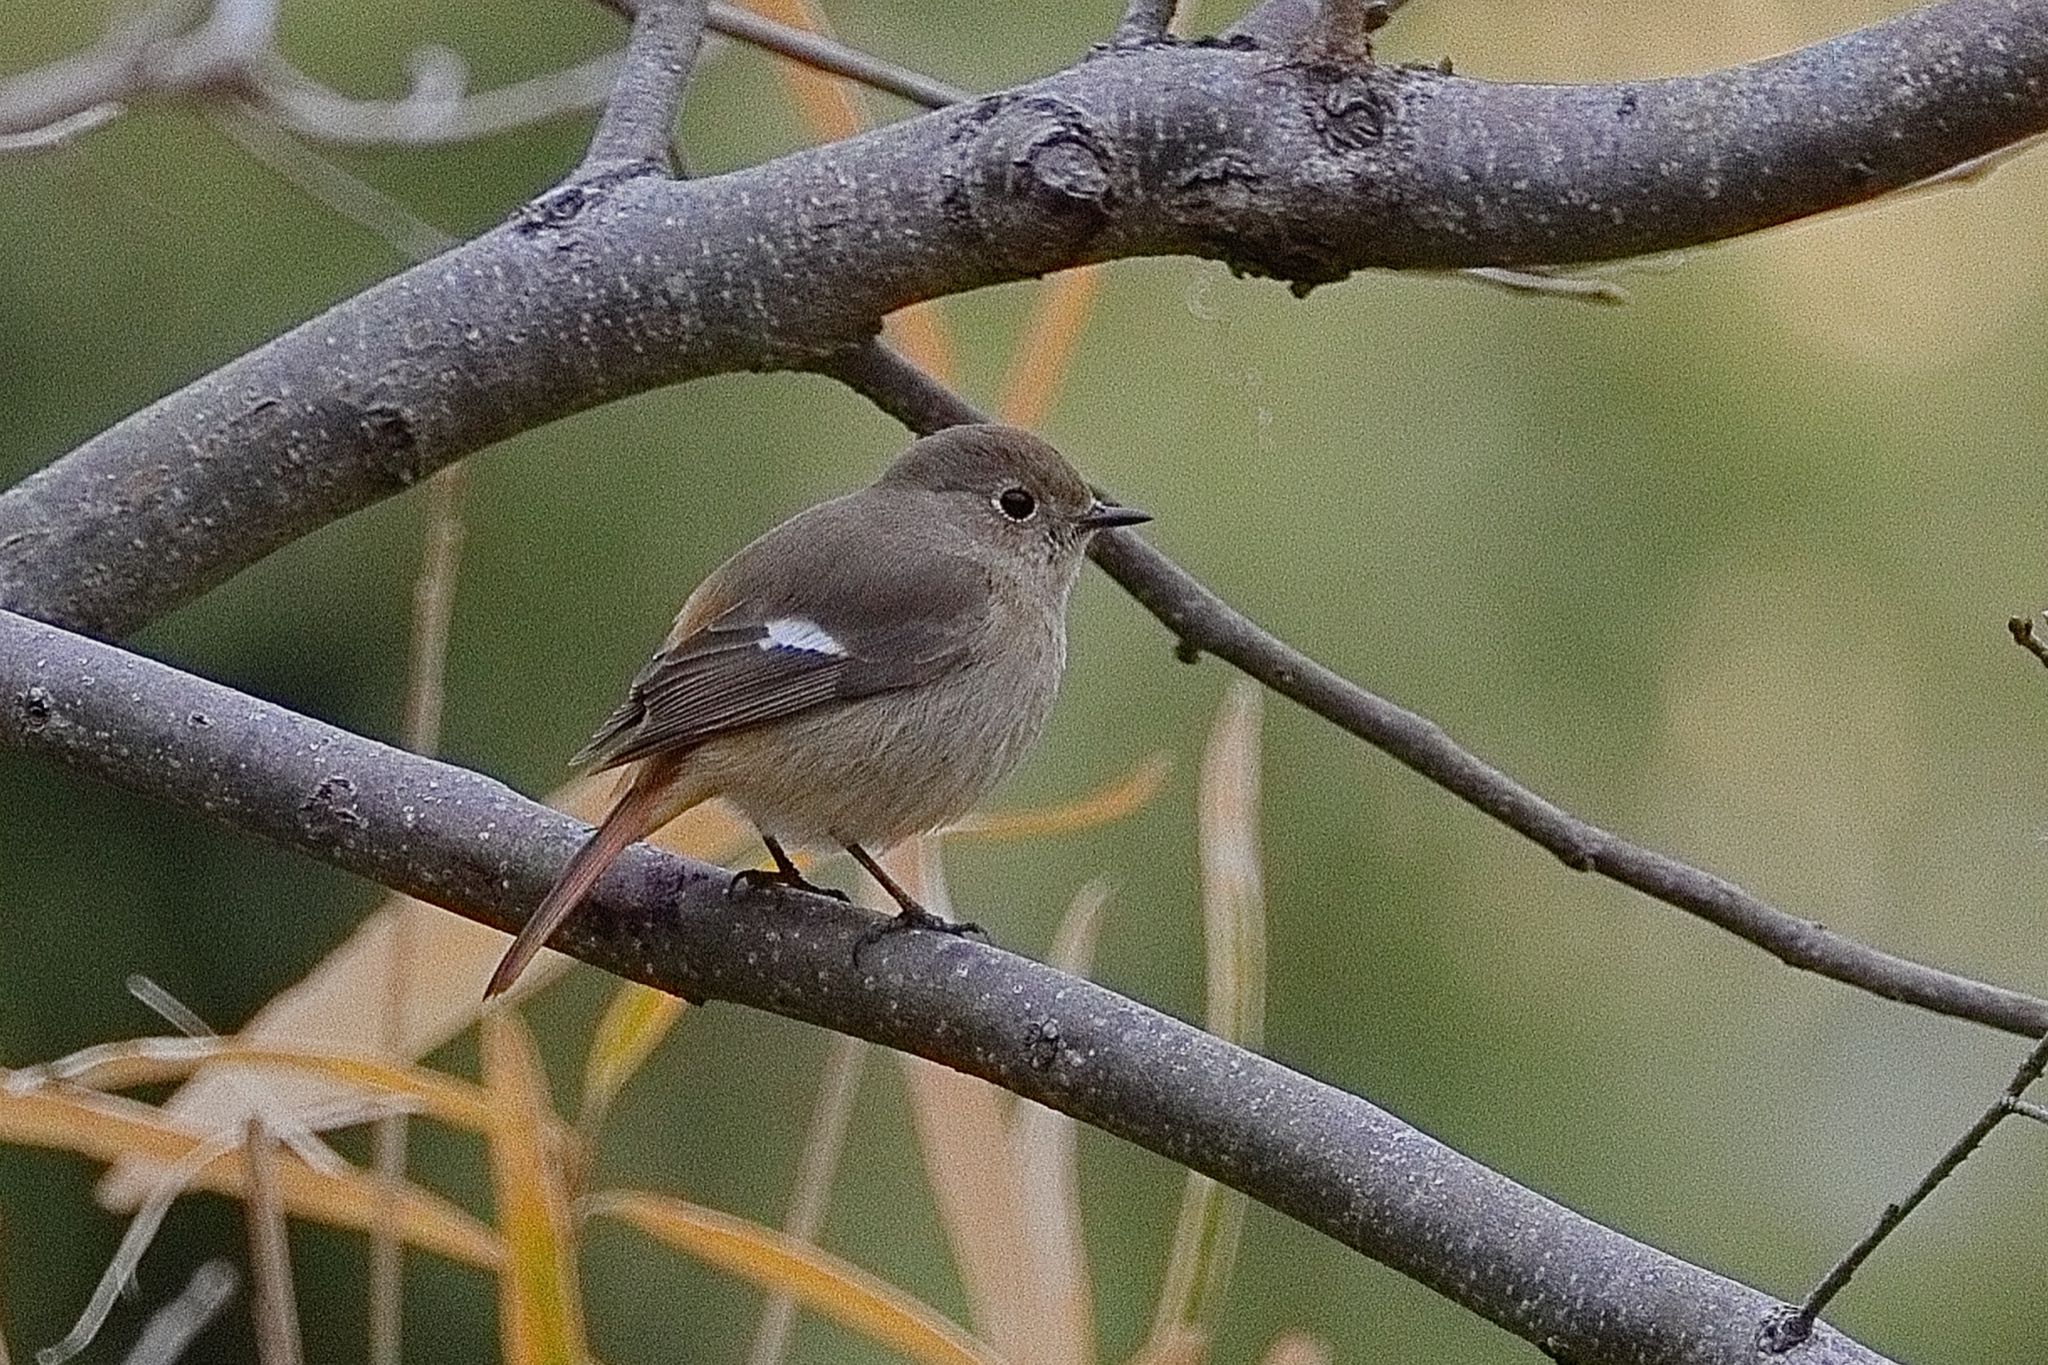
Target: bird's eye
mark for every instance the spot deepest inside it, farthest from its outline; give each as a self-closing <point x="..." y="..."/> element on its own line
<point x="1016" y="503"/>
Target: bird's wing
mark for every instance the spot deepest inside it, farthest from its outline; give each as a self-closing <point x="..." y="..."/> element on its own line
<point x="766" y="659"/>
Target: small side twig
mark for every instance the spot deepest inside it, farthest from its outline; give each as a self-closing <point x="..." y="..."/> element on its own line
<point x="1144" y="21"/>
<point x="2026" y="1109"/>
<point x="426" y="692"/>
<point x="2026" y="637"/>
<point x="648" y="93"/>
<point x="61" y="132"/>
<point x="1794" y="1327"/>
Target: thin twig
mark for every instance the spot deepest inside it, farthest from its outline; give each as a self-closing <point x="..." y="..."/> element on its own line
<point x="420" y="730"/>
<point x="62" y="132"/>
<point x="2026" y="637"/>
<point x="648" y="94"/>
<point x="1790" y="1330"/>
<point x="433" y="609"/>
<point x="1206" y="624"/>
<point x="2026" y="1109"/>
<point x="835" y="57"/>
<point x="231" y="53"/>
<point x="1144" y="21"/>
<point x="427" y="116"/>
<point x="822" y="52"/>
<point x="274" y="1304"/>
<point x="389" y="1142"/>
<point x="426" y="692"/>
<point x="116" y="68"/>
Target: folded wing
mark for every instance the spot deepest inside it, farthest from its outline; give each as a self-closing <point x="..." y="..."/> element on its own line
<point x="761" y="662"/>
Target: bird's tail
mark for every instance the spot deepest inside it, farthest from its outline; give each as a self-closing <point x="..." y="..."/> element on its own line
<point x="651" y="802"/>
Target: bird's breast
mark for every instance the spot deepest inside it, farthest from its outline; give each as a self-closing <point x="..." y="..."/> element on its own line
<point x="880" y="769"/>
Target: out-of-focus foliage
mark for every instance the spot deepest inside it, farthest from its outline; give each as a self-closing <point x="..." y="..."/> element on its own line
<point x="1725" y="569"/>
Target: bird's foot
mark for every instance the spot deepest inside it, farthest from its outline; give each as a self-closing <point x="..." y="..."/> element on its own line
<point x="794" y="880"/>
<point x="914" y="916"/>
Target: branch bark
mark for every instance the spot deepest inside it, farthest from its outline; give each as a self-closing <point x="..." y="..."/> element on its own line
<point x="639" y="117"/>
<point x="1581" y="1291"/>
<point x="1305" y="172"/>
<point x="1144" y="21"/>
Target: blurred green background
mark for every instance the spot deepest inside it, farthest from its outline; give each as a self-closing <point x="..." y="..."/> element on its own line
<point x="1725" y="570"/>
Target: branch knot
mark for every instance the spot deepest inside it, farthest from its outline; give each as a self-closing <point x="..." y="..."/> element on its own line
<point x="1033" y="171"/>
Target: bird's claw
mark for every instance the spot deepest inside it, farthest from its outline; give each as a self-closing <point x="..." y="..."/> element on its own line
<point x="914" y="916"/>
<point x="795" y="881"/>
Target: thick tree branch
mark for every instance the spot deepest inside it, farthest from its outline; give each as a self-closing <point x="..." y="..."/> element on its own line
<point x="1337" y="1163"/>
<point x="1245" y="155"/>
<point x="1207" y="624"/>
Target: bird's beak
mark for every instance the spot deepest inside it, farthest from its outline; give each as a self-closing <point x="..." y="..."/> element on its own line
<point x="1102" y="516"/>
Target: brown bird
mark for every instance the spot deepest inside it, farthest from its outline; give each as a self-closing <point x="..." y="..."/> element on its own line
<point x="862" y="673"/>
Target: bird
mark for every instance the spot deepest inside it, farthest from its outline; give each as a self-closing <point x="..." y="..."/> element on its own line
<point x="864" y="672"/>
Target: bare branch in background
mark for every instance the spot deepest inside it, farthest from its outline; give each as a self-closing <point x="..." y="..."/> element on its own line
<point x="1336" y="1162"/>
<point x="61" y="132"/>
<point x="1796" y="1326"/>
<point x="1206" y="624"/>
<point x="831" y="55"/>
<point x="134" y="58"/>
<point x="230" y="55"/>
<point x="2027" y="637"/>
<point x="320" y="179"/>
<point x="435" y="112"/>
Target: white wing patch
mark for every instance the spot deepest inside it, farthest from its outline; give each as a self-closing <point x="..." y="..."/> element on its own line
<point x="794" y="632"/>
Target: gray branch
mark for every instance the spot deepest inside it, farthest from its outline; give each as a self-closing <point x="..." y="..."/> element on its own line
<point x="640" y="116"/>
<point x="1330" y="1159"/>
<point x="1302" y="171"/>
<point x="1144" y="21"/>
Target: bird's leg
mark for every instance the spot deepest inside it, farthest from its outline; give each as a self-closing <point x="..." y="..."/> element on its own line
<point x="912" y="915"/>
<point x="785" y="873"/>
